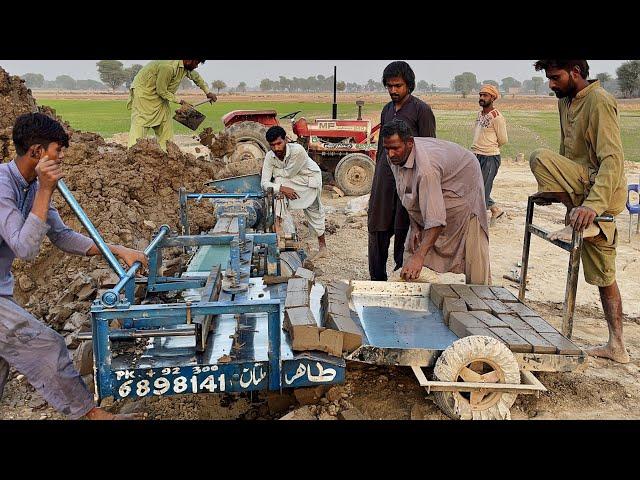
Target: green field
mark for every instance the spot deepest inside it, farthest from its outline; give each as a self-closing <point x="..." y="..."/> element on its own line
<point x="527" y="130"/>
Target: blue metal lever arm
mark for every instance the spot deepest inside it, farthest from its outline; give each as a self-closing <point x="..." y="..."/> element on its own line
<point x="110" y="297"/>
<point x="192" y="196"/>
<point x="93" y="232"/>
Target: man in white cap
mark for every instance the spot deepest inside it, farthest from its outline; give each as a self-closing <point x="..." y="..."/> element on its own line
<point x="490" y="134"/>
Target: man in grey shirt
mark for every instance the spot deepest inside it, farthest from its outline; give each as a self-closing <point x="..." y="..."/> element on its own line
<point x="26" y="216"/>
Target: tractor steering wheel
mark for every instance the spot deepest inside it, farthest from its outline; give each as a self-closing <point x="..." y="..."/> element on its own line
<point x="291" y="115"/>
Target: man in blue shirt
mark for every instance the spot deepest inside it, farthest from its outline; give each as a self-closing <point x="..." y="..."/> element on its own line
<point x="26" y="216"/>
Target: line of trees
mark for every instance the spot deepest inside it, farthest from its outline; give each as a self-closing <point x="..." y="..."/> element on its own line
<point x="63" y="82"/>
<point x="467" y="82"/>
<point x="320" y="83"/>
<point x="626" y="83"/>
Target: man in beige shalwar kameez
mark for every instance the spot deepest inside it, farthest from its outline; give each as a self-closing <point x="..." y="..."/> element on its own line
<point x="440" y="184"/>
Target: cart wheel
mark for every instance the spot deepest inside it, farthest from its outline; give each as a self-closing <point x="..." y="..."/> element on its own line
<point x="476" y="358"/>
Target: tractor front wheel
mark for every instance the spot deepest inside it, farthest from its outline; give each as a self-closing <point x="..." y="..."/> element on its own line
<point x="354" y="174"/>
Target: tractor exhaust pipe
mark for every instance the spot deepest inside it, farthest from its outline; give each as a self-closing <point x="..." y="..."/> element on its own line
<point x="334" y="114"/>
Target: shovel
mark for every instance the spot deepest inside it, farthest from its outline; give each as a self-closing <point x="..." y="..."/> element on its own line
<point x="188" y="116"/>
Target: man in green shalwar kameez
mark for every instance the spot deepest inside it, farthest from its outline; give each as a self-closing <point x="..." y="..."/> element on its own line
<point x="588" y="175"/>
<point x="152" y="91"/>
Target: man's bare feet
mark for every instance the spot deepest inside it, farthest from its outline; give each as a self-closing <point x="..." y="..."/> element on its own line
<point x="566" y="234"/>
<point x="97" y="413"/>
<point x="618" y="354"/>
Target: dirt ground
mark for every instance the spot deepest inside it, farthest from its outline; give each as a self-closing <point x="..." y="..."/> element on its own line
<point x="128" y="198"/>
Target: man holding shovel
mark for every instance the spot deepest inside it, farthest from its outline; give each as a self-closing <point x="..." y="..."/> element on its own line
<point x="152" y="90"/>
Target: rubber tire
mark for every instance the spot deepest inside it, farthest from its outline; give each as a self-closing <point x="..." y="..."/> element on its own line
<point x="342" y="170"/>
<point x="461" y="353"/>
<point x="249" y="132"/>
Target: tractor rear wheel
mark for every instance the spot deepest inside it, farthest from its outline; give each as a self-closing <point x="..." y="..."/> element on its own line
<point x="354" y="174"/>
<point x="251" y="141"/>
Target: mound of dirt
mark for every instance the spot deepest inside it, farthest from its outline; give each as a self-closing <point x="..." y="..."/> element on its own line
<point x="15" y="99"/>
<point x="128" y="195"/>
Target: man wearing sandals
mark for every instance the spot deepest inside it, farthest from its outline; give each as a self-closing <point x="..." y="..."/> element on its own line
<point x="489" y="135"/>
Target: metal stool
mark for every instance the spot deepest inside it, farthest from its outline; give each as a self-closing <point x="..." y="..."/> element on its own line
<point x="574" y="248"/>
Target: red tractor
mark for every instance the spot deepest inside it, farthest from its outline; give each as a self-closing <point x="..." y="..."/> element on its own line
<point x="344" y="148"/>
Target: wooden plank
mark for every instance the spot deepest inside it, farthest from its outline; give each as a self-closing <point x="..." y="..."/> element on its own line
<point x="488" y="319"/>
<point x="539" y="344"/>
<point x="470" y="298"/>
<point x="514" y="341"/>
<point x="539" y="324"/>
<point x="564" y="346"/>
<point x="483" y="331"/>
<point x="459" y="322"/>
<point x="483" y="291"/>
<point x="497" y="307"/>
<point x="504" y="295"/>
<point x="452" y="305"/>
<point x="439" y="292"/>
<point x="514" y="322"/>
<point x="522" y="310"/>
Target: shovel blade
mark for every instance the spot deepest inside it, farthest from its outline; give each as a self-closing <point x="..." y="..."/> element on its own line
<point x="190" y="118"/>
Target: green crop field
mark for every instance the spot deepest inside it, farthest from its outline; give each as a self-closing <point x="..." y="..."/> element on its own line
<point x="527" y="130"/>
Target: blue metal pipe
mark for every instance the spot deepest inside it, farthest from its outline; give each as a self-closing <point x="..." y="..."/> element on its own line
<point x="217" y="239"/>
<point x="198" y="196"/>
<point x="93" y="232"/>
<point x="110" y="297"/>
<point x="179" y="310"/>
